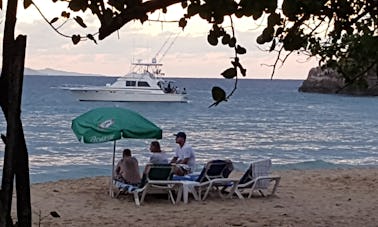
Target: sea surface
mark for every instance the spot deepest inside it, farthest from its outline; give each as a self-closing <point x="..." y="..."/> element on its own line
<point x="263" y="119"/>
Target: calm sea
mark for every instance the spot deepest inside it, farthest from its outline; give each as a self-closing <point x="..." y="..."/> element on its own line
<point x="263" y="119"/>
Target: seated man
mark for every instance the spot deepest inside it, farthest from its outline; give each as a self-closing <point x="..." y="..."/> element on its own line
<point x="184" y="158"/>
<point x="127" y="170"/>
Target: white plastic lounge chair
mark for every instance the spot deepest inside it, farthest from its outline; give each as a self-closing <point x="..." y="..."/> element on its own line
<point x="213" y="177"/>
<point x="157" y="178"/>
<point x="257" y="178"/>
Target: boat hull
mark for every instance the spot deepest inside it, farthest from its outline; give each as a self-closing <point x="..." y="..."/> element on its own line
<point x="126" y="96"/>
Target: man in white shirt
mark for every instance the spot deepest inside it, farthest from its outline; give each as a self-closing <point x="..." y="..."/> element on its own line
<point x="184" y="157"/>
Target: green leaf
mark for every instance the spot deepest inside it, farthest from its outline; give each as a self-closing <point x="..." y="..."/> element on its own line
<point x="260" y="39"/>
<point x="65" y="14"/>
<point x="226" y="39"/>
<point x="294" y="41"/>
<point x="80" y="21"/>
<point x="239" y="13"/>
<point x="267" y="34"/>
<point x="291" y="8"/>
<point x="240" y="50"/>
<point x="229" y="73"/>
<point x="90" y="36"/>
<point x="274" y="19"/>
<point x="55" y="19"/>
<point x="193" y="9"/>
<point x="76" y="5"/>
<point x="232" y="42"/>
<point x="257" y="14"/>
<point x="204" y="13"/>
<point x="27" y="3"/>
<point x="218" y="94"/>
<point x="212" y="39"/>
<point x="75" y="39"/>
<point x="182" y="23"/>
<point x="243" y="71"/>
<point x="143" y="17"/>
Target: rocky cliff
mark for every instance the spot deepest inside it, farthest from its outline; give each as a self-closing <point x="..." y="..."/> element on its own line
<point x="330" y="82"/>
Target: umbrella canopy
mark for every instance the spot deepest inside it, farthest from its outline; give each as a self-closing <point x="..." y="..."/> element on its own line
<point x="111" y="123"/>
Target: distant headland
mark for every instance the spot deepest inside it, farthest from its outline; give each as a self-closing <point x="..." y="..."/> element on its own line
<point x="328" y="81"/>
<point x="54" y="72"/>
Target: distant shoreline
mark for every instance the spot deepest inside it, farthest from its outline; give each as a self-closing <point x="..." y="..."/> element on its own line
<point x="168" y="77"/>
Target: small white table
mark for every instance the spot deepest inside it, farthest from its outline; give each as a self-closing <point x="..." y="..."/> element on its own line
<point x="188" y="187"/>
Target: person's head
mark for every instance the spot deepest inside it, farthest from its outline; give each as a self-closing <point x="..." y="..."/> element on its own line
<point x="155" y="146"/>
<point x="127" y="153"/>
<point x="180" y="138"/>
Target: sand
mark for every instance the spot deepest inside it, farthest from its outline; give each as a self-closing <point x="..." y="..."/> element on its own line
<point x="304" y="198"/>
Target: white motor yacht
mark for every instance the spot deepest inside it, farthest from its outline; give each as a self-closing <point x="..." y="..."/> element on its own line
<point x="143" y="84"/>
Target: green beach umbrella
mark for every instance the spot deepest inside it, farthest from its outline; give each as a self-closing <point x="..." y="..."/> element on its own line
<point x="111" y="124"/>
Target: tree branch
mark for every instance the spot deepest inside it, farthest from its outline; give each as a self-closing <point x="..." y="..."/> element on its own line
<point x="55" y="29"/>
<point x="131" y="14"/>
<point x="357" y="76"/>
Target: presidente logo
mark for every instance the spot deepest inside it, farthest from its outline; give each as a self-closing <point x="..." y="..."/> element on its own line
<point x="106" y="124"/>
<point x="101" y="139"/>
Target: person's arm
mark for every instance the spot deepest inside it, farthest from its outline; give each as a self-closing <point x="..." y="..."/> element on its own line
<point x="187" y="154"/>
<point x="136" y="161"/>
<point x="116" y="171"/>
<point x="184" y="161"/>
<point x="174" y="160"/>
<point x="151" y="159"/>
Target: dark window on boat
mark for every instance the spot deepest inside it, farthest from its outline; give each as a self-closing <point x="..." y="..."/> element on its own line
<point x="130" y="83"/>
<point x="143" y="84"/>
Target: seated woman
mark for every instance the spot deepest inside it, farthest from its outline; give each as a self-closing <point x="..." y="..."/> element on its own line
<point x="157" y="156"/>
<point x="127" y="170"/>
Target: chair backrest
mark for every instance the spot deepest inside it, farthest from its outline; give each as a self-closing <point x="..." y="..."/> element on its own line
<point x="247" y="176"/>
<point x="157" y="172"/>
<point x="215" y="169"/>
<point x="257" y="169"/>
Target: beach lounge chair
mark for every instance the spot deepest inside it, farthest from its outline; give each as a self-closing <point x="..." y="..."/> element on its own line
<point x="257" y="178"/>
<point x="157" y="178"/>
<point x="213" y="177"/>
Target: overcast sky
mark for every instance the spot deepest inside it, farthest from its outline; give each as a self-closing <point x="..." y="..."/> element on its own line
<point x="189" y="55"/>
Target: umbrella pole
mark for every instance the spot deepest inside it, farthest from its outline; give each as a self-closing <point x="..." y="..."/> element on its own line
<point x="111" y="180"/>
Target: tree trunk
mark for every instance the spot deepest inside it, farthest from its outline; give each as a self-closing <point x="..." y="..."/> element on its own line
<point x="21" y="161"/>
<point x="15" y="157"/>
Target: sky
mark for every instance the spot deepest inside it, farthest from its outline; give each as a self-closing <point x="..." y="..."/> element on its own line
<point x="188" y="55"/>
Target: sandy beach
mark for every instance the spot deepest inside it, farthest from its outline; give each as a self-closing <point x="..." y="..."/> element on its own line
<point x="304" y="198"/>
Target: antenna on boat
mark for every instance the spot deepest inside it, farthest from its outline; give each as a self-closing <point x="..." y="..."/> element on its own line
<point x="163" y="46"/>
<point x="169" y="47"/>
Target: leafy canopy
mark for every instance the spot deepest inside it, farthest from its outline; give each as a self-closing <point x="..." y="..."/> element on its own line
<point x="341" y="33"/>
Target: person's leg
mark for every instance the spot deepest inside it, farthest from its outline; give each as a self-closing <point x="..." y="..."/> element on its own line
<point x="179" y="171"/>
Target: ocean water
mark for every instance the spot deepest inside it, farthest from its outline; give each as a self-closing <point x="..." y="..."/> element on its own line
<point x="263" y="119"/>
